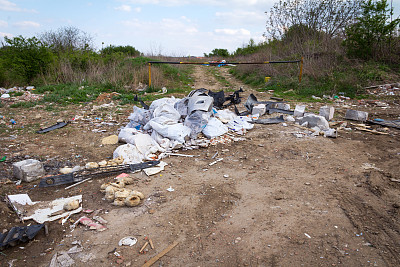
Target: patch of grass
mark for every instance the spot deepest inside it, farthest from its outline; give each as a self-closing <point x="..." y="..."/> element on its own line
<point x="27" y="104"/>
<point x="214" y="71"/>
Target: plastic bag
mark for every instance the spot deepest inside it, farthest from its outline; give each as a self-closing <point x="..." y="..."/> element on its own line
<point x="197" y="121"/>
<point x="168" y="111"/>
<point x="214" y="128"/>
<point x="240" y="123"/>
<point x="182" y="107"/>
<point x="177" y="131"/>
<point x="126" y="135"/>
<point x="156" y="103"/>
<point x="129" y="153"/>
<point x="140" y="116"/>
<point x="225" y="115"/>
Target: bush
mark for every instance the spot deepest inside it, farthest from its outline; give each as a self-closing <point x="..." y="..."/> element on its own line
<point x="21" y="60"/>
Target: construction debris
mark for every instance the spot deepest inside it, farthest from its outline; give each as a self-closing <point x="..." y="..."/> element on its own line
<point x="43" y="211"/>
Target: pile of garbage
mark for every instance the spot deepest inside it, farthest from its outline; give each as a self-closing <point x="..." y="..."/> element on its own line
<point x="172" y="123"/>
<point x="197" y="121"/>
<point x="16" y="94"/>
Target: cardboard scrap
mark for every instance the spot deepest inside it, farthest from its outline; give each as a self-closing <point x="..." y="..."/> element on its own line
<point x="42" y="211"/>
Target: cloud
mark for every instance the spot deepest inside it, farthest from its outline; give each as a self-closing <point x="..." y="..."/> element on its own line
<point x="232" y="3"/>
<point x="125" y="8"/>
<point x="236" y="32"/>
<point x="4" y="34"/>
<point x="241" y="17"/>
<point x="10" y="6"/>
<point x="137" y="9"/>
<point x="3" y="23"/>
<point x="27" y="24"/>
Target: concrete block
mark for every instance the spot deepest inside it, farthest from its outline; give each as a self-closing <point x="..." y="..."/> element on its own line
<point x="315" y="120"/>
<point x="260" y="109"/>
<point x="28" y="170"/>
<point x="299" y="110"/>
<point x="356" y="115"/>
<point x="327" y="112"/>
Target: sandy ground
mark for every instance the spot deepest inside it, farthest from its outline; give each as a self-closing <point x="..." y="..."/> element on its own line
<point x="274" y="200"/>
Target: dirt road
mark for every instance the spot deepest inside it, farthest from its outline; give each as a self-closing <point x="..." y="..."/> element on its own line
<point x="274" y="200"/>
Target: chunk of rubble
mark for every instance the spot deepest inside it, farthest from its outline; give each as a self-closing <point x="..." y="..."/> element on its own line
<point x="356" y="115"/>
<point x="28" y="170"/>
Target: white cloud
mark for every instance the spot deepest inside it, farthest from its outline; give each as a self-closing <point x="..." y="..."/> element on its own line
<point x="10" y="6"/>
<point x="3" y="23"/>
<point x="27" y="24"/>
<point x="125" y="8"/>
<point x="231" y="3"/>
<point x="4" y="34"/>
<point x="138" y="9"/>
<point x="236" y="32"/>
<point x="241" y="17"/>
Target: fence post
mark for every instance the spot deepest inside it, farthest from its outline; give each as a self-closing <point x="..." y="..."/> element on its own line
<point x="149" y="74"/>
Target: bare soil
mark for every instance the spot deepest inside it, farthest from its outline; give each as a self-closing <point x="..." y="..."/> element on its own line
<point x="274" y="200"/>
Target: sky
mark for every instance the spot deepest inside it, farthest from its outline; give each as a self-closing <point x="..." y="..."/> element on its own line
<point x="168" y="27"/>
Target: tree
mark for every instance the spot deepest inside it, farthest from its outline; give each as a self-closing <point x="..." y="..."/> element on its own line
<point x="67" y="39"/>
<point x="329" y="16"/>
<point x="218" y="52"/>
<point x="126" y="50"/>
<point x="372" y="35"/>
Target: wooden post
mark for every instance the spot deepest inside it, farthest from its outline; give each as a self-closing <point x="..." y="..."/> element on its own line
<point x="149" y="74"/>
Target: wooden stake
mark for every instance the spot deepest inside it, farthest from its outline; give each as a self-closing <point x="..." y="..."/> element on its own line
<point x="144" y="246"/>
<point x="151" y="244"/>
<point x="161" y="254"/>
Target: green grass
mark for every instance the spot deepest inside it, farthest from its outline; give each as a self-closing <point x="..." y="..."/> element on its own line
<point x="221" y="79"/>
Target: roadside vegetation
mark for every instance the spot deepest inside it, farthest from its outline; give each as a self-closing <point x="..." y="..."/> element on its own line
<point x="346" y="46"/>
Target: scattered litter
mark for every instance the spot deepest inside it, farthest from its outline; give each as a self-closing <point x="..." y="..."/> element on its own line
<point x="127" y="241"/>
<point x="91" y="224"/>
<point x="54" y="127"/>
<point x="393" y="123"/>
<point x="61" y="259"/>
<point x="156" y="169"/>
<point x="307" y="235"/>
<point x="17" y="235"/>
<point x="170" y="189"/>
<point x="276" y="120"/>
<point x="79" y="176"/>
<point x="214" y="162"/>
<point x="42" y="211"/>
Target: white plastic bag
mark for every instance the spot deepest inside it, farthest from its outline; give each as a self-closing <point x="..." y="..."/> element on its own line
<point x="225" y="115"/>
<point x="168" y="111"/>
<point x="240" y="123"/>
<point x="126" y="135"/>
<point x="177" y="131"/>
<point x="214" y="128"/>
<point x="156" y="103"/>
<point x="129" y="153"/>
